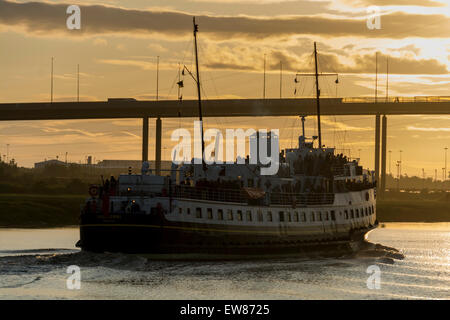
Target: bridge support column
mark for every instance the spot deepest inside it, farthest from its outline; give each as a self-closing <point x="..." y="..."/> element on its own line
<point x="158" y="146"/>
<point x="383" y="155"/>
<point x="145" y="139"/>
<point x="377" y="149"/>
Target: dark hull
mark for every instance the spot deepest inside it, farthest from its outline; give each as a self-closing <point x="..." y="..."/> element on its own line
<point x="152" y="234"/>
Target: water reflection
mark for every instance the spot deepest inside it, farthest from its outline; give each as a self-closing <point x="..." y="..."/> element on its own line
<point x="36" y="271"/>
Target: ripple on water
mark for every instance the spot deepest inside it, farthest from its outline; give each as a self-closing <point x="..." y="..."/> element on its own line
<point x="417" y="270"/>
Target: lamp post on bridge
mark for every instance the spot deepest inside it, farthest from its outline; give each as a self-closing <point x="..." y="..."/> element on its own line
<point x="390" y="172"/>
<point x="423" y="178"/>
<point x="398" y="176"/>
<point x="445" y="167"/>
<point x="400" y="169"/>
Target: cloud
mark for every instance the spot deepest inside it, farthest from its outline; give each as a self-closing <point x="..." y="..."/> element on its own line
<point x="412" y="88"/>
<point x="344" y="127"/>
<point x="422" y="3"/>
<point x="127" y="123"/>
<point x="72" y="131"/>
<point x="157" y="47"/>
<point x="397" y="65"/>
<point x="131" y="135"/>
<point x="229" y="66"/>
<point x="46" y="19"/>
<point x="413" y="128"/>
<point x="63" y="98"/>
<point x="144" y="65"/>
<point x="100" y="42"/>
<point x="250" y="58"/>
<point x="408" y="48"/>
<point x="245" y="1"/>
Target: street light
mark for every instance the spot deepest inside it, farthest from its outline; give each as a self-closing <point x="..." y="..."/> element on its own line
<point x="423" y="178"/>
<point x="390" y="151"/>
<point x="445" y="168"/>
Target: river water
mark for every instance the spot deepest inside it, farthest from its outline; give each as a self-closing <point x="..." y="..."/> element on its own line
<point x="34" y="262"/>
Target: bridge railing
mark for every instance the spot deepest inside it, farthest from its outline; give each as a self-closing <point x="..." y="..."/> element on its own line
<point x="396" y="99"/>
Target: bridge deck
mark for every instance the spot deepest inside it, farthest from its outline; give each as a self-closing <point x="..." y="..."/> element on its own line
<point x="116" y="108"/>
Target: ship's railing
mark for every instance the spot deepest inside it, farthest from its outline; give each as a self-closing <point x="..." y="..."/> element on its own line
<point x="301" y="199"/>
<point x="239" y="196"/>
<point x="396" y="99"/>
<point x="339" y="170"/>
<point x="211" y="194"/>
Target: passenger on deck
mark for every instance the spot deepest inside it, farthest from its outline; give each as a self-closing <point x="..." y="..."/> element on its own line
<point x="106" y="185"/>
<point x="113" y="186"/>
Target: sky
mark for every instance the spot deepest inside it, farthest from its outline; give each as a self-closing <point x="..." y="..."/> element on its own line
<point x="119" y="41"/>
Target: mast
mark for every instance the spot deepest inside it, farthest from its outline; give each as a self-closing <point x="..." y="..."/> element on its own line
<point x="317" y="96"/>
<point x="316" y="75"/>
<point x="199" y="91"/>
<point x="179" y="81"/>
<point x="303" y="125"/>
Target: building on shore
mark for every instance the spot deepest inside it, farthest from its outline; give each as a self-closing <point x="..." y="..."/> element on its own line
<point x="47" y="163"/>
<point x="135" y="164"/>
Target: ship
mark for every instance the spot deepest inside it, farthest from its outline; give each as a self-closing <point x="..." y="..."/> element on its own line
<point x="317" y="200"/>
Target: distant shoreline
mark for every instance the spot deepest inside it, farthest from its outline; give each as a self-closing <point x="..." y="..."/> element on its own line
<point x="413" y="211"/>
<point x="39" y="211"/>
<point x="62" y="211"/>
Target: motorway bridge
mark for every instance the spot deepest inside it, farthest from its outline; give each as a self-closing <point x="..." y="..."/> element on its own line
<point x="131" y="108"/>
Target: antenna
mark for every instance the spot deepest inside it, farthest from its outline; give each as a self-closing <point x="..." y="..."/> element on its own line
<point x="199" y="91"/>
<point x="317" y="96"/>
<point x="179" y="81"/>
<point x="303" y="125"/>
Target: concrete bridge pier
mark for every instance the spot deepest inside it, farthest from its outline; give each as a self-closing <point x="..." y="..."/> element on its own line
<point x="380" y="130"/>
<point x="144" y="139"/>
<point x="377" y="150"/>
<point x="158" y="137"/>
<point x="383" y="155"/>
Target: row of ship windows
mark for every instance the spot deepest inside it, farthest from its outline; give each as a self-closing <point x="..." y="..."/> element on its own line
<point x="282" y="215"/>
